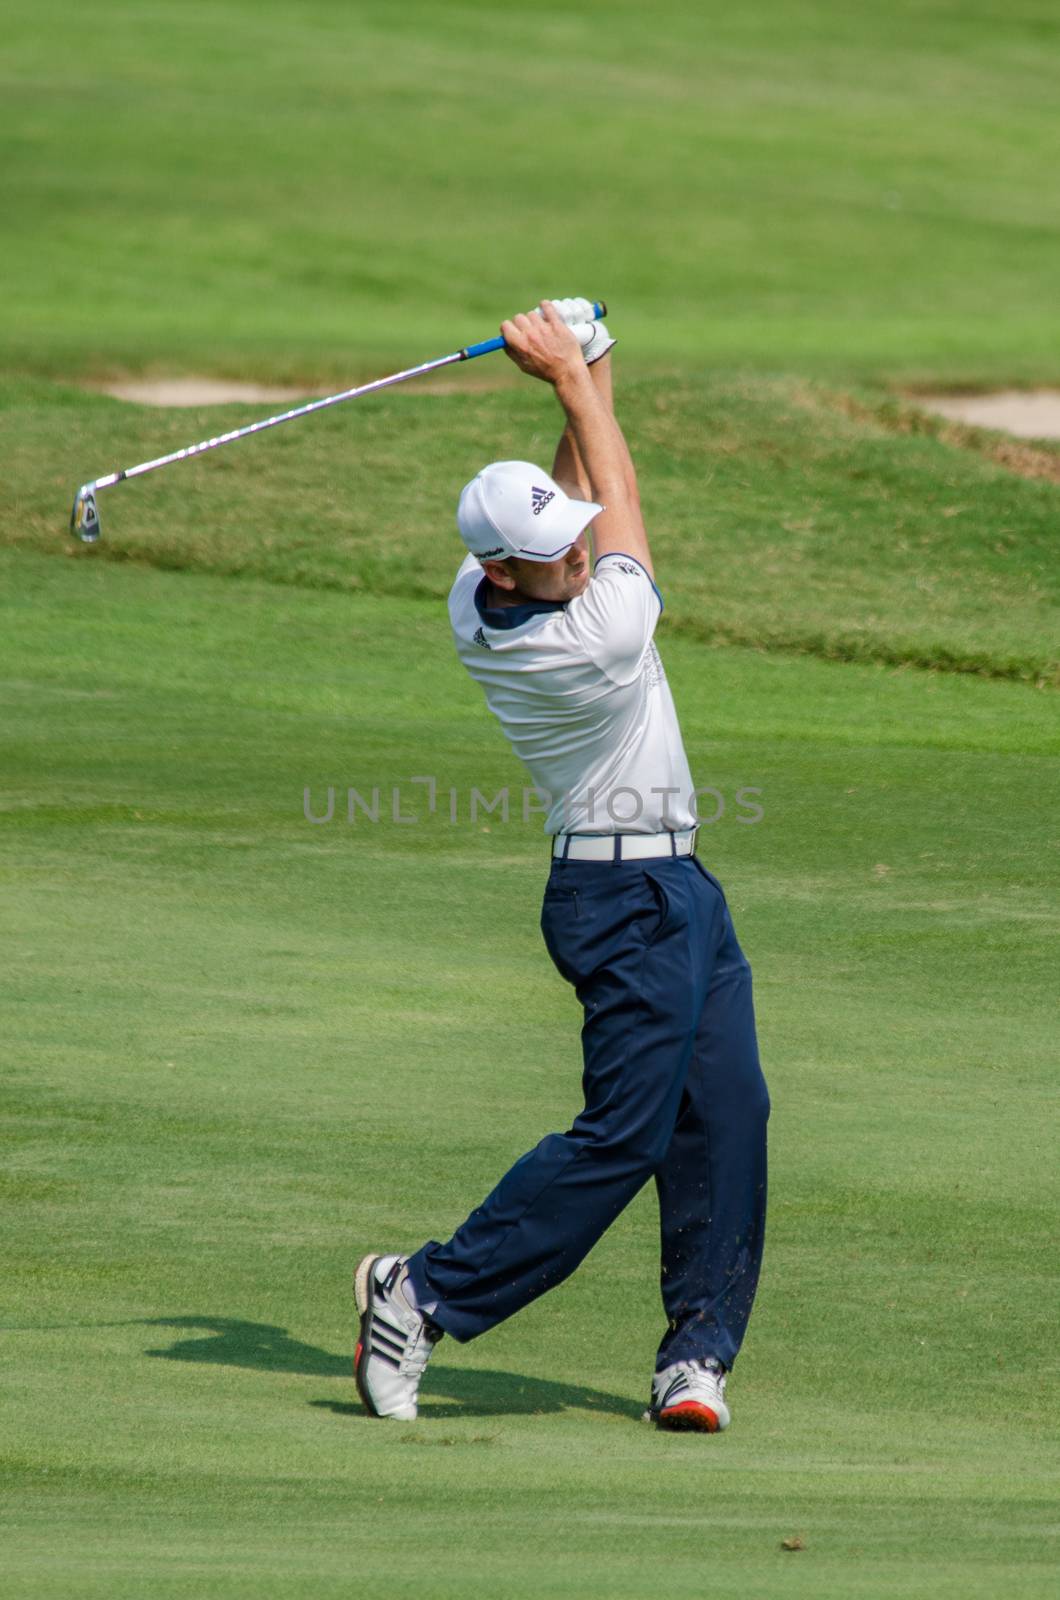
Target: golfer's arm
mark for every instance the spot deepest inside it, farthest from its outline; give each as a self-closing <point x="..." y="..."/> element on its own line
<point x="568" y="468"/>
<point x="606" y="462"/>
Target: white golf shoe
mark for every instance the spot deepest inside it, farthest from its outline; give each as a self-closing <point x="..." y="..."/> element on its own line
<point x="690" y="1394"/>
<point x="395" y="1340"/>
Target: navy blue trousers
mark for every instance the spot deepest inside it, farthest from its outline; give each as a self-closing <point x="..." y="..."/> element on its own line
<point x="673" y="1090"/>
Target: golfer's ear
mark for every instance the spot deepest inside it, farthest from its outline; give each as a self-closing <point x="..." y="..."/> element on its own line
<point x="498" y="574"/>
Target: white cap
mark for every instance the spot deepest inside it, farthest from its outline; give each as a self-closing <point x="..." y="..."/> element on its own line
<point x="514" y="509"/>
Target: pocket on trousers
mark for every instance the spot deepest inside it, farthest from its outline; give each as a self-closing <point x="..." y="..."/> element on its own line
<point x="664" y="908"/>
<point x="560" y="912"/>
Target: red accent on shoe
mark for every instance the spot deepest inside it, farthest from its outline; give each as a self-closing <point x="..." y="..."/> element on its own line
<point x="689" y="1414"/>
<point x="357" y="1355"/>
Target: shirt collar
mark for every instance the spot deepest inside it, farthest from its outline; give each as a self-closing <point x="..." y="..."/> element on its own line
<point x="511" y="616"/>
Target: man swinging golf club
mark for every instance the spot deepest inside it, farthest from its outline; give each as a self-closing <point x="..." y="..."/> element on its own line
<point x="672" y="1082"/>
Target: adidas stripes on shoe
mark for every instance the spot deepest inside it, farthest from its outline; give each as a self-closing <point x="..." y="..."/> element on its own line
<point x="395" y="1341"/>
<point x="691" y="1395"/>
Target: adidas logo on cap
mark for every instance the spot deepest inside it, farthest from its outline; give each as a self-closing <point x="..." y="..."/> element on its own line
<point x="514" y="509"/>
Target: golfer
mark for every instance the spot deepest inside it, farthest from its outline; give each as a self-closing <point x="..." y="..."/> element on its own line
<point x="672" y="1082"/>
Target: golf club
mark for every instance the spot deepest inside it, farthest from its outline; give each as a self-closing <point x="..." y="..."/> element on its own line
<point x="84" y="518"/>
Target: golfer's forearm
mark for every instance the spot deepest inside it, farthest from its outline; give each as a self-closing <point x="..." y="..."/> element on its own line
<point x="600" y="373"/>
<point x="594" y="434"/>
<point x="568" y="468"/>
<point x="606" y="461"/>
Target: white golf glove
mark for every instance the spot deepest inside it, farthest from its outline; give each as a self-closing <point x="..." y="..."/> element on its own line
<point x="597" y="344"/>
<point x="578" y="315"/>
<point x="574" y="310"/>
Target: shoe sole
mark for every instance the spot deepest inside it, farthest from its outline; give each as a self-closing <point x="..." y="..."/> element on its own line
<point x="362" y="1294"/>
<point x="691" y="1416"/>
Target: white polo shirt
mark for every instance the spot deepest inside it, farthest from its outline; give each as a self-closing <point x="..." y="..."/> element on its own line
<point x="581" y="694"/>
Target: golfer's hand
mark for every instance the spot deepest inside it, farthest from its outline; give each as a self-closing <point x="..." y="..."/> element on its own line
<point x="598" y="343"/>
<point x="579" y="315"/>
<point x="573" y="311"/>
<point x="542" y="346"/>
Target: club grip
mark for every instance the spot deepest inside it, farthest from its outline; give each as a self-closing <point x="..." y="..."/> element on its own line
<point x="489" y="345"/>
<point x="483" y="349"/>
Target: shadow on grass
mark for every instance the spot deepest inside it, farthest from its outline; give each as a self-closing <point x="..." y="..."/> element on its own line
<point x="447" y="1391"/>
<point x="257" y="1345"/>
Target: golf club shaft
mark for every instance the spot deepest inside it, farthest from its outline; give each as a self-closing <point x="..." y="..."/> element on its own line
<point x="467" y="354"/>
<point x="270" y="422"/>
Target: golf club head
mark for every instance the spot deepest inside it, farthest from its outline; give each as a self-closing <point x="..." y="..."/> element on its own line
<point x="84" y="518"/>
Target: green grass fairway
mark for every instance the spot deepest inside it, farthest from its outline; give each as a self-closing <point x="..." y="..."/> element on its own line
<point x="785" y="515"/>
<point x="244" y="1048"/>
<point x="275" y="189"/>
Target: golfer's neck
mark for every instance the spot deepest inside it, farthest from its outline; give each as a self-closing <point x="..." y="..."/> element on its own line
<point x="507" y="597"/>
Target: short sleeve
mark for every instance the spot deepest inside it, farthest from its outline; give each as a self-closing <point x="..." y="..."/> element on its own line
<point x="615" y="617"/>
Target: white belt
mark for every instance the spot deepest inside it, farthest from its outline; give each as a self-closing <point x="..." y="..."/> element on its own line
<point x="622" y="846"/>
